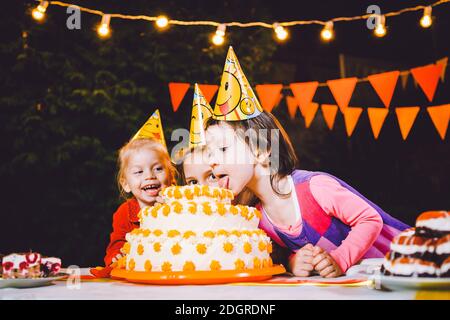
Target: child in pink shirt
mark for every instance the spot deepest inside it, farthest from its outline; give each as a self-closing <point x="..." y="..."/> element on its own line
<point x="327" y="225"/>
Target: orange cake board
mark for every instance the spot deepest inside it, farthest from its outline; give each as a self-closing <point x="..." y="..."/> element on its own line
<point x="197" y="277"/>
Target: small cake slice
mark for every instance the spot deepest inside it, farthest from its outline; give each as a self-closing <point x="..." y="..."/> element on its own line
<point x="21" y="265"/>
<point x="50" y="266"/>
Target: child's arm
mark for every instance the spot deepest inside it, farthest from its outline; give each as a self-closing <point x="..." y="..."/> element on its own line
<point x="121" y="226"/>
<point x="364" y="220"/>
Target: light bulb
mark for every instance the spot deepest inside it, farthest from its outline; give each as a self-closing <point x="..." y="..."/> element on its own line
<point x="162" y="22"/>
<point x="38" y="13"/>
<point x="426" y="19"/>
<point x="327" y="32"/>
<point x="280" y="32"/>
<point x="380" y="29"/>
<point x="219" y="37"/>
<point x="103" y="29"/>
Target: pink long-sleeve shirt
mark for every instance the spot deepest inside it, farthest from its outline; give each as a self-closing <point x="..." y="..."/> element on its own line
<point x="339" y="202"/>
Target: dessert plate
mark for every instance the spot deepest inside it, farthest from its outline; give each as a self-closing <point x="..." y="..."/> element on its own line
<point x="197" y="277"/>
<point x="30" y="283"/>
<point x="395" y="283"/>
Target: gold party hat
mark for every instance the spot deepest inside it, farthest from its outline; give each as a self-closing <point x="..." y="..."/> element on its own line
<point x="152" y="129"/>
<point x="201" y="112"/>
<point x="236" y="99"/>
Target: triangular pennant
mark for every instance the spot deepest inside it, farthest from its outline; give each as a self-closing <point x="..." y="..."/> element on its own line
<point x="152" y="128"/>
<point x="342" y="90"/>
<point x="304" y="93"/>
<point x="292" y="106"/>
<point x="377" y="116"/>
<point x="428" y="77"/>
<point x="351" y="117"/>
<point x="310" y="112"/>
<point x="201" y="112"/>
<point x="384" y="85"/>
<point x="404" y="75"/>
<point x="177" y="92"/>
<point x="406" y="117"/>
<point x="440" y="115"/>
<point x="236" y="100"/>
<point x="329" y="112"/>
<point x="209" y="90"/>
<point x="269" y="95"/>
<point x="443" y="62"/>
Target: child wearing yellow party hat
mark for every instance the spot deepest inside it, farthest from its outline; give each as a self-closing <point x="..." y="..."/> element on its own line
<point x="145" y="168"/>
<point x="326" y="224"/>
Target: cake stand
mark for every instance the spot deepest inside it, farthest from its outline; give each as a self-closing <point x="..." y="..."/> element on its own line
<point x="197" y="277"/>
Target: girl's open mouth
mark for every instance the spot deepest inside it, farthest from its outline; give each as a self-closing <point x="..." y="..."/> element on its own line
<point x="224" y="181"/>
<point x="152" y="189"/>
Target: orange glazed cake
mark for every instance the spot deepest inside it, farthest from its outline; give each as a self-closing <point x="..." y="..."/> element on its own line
<point x="197" y="229"/>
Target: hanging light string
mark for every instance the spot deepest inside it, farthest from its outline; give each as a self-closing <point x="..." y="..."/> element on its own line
<point x="246" y="24"/>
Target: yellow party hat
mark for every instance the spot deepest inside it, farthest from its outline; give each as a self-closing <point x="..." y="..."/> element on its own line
<point x="201" y="112"/>
<point x="152" y="129"/>
<point x="236" y="99"/>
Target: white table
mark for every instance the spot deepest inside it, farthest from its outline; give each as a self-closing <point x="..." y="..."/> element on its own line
<point x="109" y="289"/>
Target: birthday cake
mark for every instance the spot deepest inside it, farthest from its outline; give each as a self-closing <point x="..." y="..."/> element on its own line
<point x="423" y="251"/>
<point x="197" y="229"/>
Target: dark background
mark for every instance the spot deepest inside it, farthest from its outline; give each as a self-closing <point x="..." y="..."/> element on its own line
<point x="69" y="100"/>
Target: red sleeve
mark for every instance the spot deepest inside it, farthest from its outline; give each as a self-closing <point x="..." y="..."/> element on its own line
<point x="121" y="226"/>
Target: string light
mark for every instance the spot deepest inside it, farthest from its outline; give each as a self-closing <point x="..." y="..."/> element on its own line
<point x="219" y="37"/>
<point x="103" y="29"/>
<point x="162" y="22"/>
<point x="426" y="19"/>
<point x="327" y="32"/>
<point x="280" y="32"/>
<point x="380" y="28"/>
<point x="38" y="13"/>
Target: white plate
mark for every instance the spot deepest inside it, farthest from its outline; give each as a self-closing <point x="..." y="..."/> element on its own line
<point x="395" y="283"/>
<point x="29" y="283"/>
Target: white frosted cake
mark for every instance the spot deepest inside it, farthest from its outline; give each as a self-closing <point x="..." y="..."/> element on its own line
<point x="197" y="229"/>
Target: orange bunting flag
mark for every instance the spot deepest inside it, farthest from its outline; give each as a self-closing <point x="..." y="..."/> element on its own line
<point x="428" y="77"/>
<point x="304" y="93"/>
<point x="177" y="92"/>
<point x="208" y="90"/>
<point x="329" y="112"/>
<point x="440" y="115"/>
<point x="292" y="106"/>
<point x="269" y="95"/>
<point x="351" y="117"/>
<point x="342" y="90"/>
<point x="443" y="62"/>
<point x="406" y="117"/>
<point x="377" y="116"/>
<point x="384" y="85"/>
<point x="310" y="112"/>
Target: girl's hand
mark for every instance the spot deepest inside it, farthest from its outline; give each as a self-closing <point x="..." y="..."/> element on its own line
<point x="301" y="264"/>
<point x="160" y="199"/>
<point x="116" y="258"/>
<point x="324" y="264"/>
